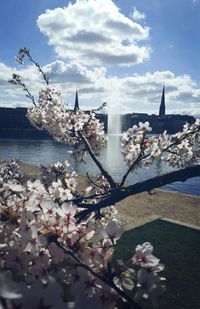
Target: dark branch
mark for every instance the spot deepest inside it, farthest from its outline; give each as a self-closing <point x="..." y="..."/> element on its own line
<point x="97" y="162"/>
<point x="147" y="185"/>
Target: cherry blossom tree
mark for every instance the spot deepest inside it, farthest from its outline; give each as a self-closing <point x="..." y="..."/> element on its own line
<point x="59" y="243"/>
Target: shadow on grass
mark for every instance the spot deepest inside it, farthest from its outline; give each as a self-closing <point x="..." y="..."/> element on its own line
<point x="178" y="247"/>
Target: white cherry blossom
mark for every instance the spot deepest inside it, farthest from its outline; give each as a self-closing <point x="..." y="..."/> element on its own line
<point x="113" y="231"/>
<point x="34" y="241"/>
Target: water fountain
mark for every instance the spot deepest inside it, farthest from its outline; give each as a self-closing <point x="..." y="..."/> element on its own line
<point x="113" y="154"/>
<point x="114" y="119"/>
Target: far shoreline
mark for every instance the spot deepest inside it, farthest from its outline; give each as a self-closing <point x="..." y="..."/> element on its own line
<point x="34" y="171"/>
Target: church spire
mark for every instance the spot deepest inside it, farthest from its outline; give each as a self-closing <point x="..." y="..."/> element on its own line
<point x="162" y="104"/>
<point x="76" y="104"/>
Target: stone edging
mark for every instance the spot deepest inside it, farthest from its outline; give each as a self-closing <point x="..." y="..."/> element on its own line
<point x="140" y="222"/>
<point x="181" y="223"/>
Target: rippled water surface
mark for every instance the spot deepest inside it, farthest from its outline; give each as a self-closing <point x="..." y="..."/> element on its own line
<point x="45" y="152"/>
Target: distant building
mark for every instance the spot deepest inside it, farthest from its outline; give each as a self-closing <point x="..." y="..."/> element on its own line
<point x="76" y="104"/>
<point x="14" y="123"/>
<point x="171" y="123"/>
<point x="162" y="104"/>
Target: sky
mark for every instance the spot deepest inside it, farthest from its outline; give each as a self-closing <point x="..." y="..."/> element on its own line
<point x="122" y="52"/>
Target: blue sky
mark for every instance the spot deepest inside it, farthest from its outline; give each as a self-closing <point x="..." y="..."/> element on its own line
<point x="121" y="51"/>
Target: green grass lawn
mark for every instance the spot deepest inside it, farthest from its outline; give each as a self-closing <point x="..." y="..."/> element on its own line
<point x="178" y="247"/>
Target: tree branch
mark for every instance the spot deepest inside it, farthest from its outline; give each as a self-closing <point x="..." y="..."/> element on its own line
<point x="16" y="80"/>
<point x="166" y="149"/>
<point x="97" y="162"/>
<point x="147" y="185"/>
<point x="24" y="51"/>
<point x="108" y="281"/>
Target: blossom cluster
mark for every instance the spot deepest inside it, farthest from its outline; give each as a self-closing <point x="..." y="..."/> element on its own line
<point x="47" y="249"/>
<point x="10" y="170"/>
<point x="179" y="150"/>
<point x="64" y="125"/>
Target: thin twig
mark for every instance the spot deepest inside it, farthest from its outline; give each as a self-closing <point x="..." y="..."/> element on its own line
<point x="177" y="141"/>
<point x="92" y="181"/>
<point x="16" y="80"/>
<point x="99" y="108"/>
<point x="28" y="54"/>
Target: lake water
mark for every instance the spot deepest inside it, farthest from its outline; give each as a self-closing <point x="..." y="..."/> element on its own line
<point x="45" y="152"/>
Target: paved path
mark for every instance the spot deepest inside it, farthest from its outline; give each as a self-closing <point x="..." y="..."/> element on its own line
<point x="141" y="208"/>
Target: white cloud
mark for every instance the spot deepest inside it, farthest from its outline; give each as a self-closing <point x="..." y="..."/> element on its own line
<point x="74" y="73"/>
<point x="5" y="88"/>
<point x="11" y="95"/>
<point x="135" y="93"/>
<point x="137" y="15"/>
<point x="95" y="32"/>
<point x="143" y="92"/>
